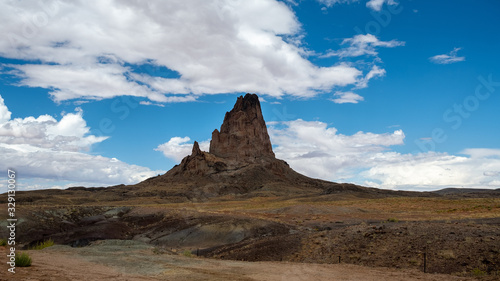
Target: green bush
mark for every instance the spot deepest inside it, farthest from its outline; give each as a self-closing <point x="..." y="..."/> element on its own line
<point x="43" y="245"/>
<point x="392" y="220"/>
<point x="478" y="272"/>
<point x="3" y="242"/>
<point x="23" y="260"/>
<point x="187" y="253"/>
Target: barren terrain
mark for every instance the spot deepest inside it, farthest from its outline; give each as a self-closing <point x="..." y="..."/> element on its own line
<point x="265" y="238"/>
<point x="136" y="261"/>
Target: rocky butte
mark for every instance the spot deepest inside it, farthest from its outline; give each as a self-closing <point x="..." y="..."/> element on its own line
<point x="240" y="161"/>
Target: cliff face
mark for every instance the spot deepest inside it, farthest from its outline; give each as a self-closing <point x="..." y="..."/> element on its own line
<point x="243" y="135"/>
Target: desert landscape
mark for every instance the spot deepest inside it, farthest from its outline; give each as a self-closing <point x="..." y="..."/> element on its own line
<point x="273" y="140"/>
<point x="238" y="213"/>
<point x="266" y="239"/>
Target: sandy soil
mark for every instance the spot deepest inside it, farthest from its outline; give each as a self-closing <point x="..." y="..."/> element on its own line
<point x="135" y="261"/>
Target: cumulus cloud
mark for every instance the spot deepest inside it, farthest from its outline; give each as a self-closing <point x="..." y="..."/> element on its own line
<point x="482" y="152"/>
<point x="45" y="132"/>
<point x="313" y="148"/>
<point x="347" y="97"/>
<point x="67" y="166"/>
<point x="177" y="148"/>
<point x="362" y="44"/>
<point x="213" y="47"/>
<point x="376" y="5"/>
<point x="90" y="82"/>
<point x="317" y="150"/>
<point x="49" y="150"/>
<point x="451" y="57"/>
<point x="4" y="112"/>
<point x="437" y="170"/>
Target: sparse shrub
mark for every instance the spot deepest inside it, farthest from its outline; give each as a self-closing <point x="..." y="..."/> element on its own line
<point x="478" y="272"/>
<point x="187" y="253"/>
<point x="447" y="254"/>
<point x="23" y="260"/>
<point x="3" y="242"/>
<point x="392" y="220"/>
<point x="43" y="245"/>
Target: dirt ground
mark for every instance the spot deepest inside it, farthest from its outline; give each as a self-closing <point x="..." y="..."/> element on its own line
<point x="297" y="238"/>
<point x="136" y="261"/>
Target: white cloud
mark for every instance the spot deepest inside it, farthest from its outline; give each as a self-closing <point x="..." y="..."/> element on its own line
<point x="482" y="152"/>
<point x="86" y="49"/>
<point x="150" y="103"/>
<point x="347" y="97"/>
<point x="438" y="170"/>
<point x="376" y="5"/>
<point x="330" y="3"/>
<point x="292" y="2"/>
<point x="451" y="57"/>
<point x="362" y="44"/>
<point x="317" y="150"/>
<point x="4" y="112"/>
<point x="71" y="167"/>
<point x="177" y="148"/>
<point x="374" y="72"/>
<point x="91" y="82"/>
<point x="43" y="149"/>
<point x="312" y="148"/>
<point x="44" y="132"/>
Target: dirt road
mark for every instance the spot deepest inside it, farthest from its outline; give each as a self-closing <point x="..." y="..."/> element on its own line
<point x="135" y="261"/>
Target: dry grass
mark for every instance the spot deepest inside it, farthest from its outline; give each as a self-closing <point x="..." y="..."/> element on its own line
<point x="43" y="245"/>
<point x="329" y="208"/>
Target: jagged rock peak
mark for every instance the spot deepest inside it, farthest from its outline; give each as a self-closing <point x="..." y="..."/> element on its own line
<point x="196" y="149"/>
<point x="243" y="134"/>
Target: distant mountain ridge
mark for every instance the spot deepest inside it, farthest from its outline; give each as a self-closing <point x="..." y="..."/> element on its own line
<point x="468" y="192"/>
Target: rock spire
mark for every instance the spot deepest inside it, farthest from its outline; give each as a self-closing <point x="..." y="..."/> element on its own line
<point x="243" y="135"/>
<point x="240" y="162"/>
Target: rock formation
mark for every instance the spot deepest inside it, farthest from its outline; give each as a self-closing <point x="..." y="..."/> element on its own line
<point x="240" y="161"/>
<point x="242" y="141"/>
<point x="243" y="135"/>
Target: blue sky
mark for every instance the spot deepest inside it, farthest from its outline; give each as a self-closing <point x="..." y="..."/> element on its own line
<point x="384" y="93"/>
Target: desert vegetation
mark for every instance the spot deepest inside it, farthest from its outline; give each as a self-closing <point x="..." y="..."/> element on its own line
<point x="23" y="260"/>
<point x="42" y="245"/>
